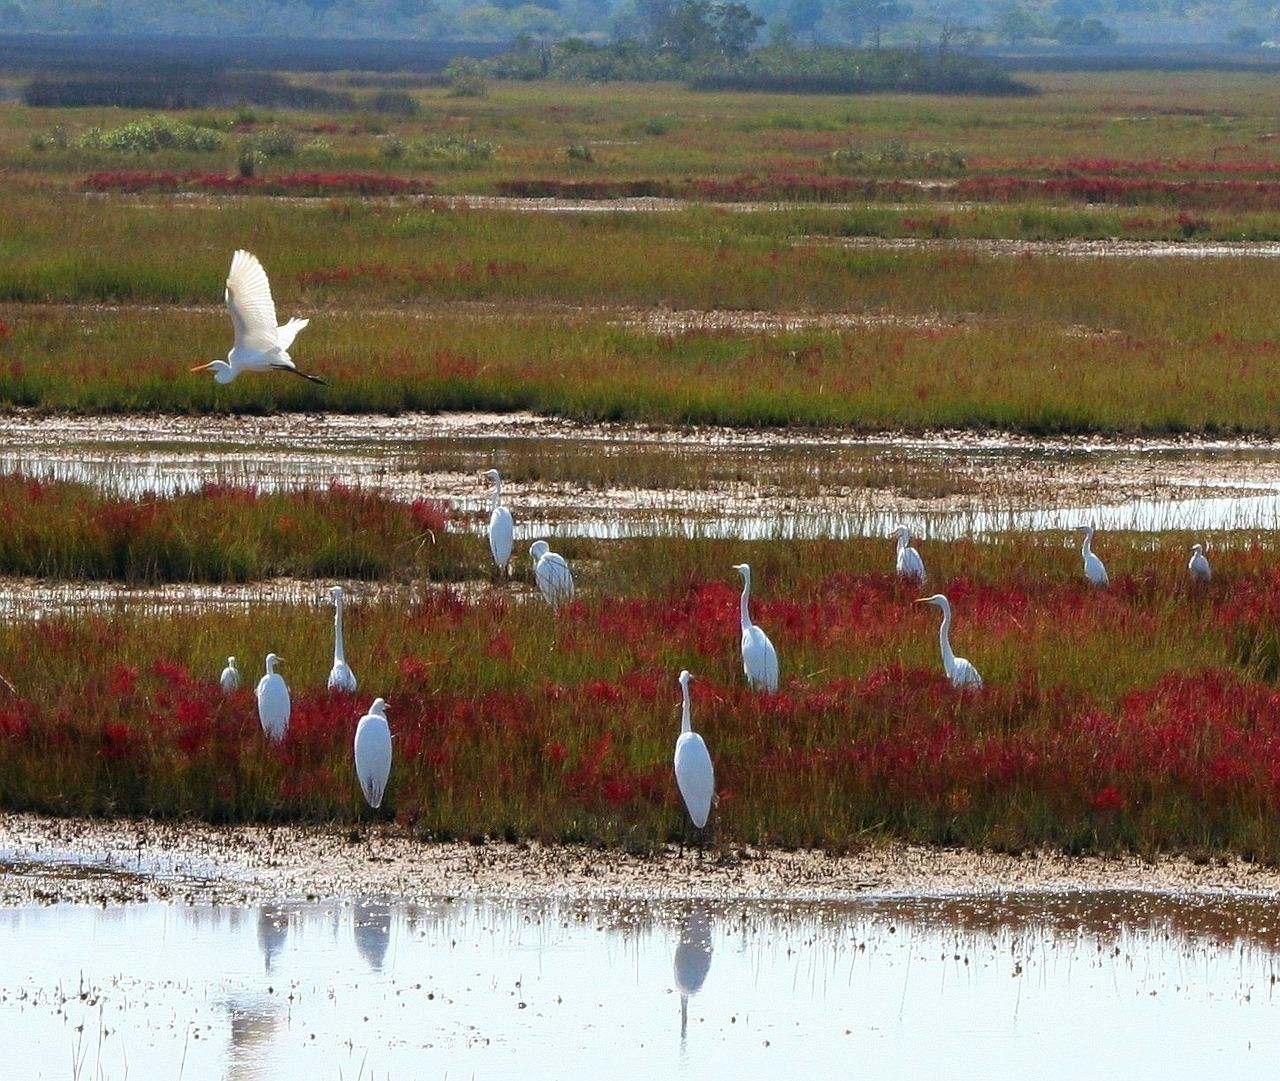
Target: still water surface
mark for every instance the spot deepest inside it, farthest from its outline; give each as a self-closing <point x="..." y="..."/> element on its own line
<point x="1050" y="985"/>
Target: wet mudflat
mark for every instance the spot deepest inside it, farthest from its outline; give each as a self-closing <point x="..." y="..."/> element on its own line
<point x="1051" y="985"/>
<point x="565" y="478"/>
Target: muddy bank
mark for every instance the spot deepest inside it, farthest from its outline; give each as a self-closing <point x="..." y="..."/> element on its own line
<point x="46" y="861"/>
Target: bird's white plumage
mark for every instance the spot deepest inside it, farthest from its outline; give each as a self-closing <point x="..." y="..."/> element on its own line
<point x="551" y="572"/>
<point x="229" y="681"/>
<point x="502" y="529"/>
<point x="373" y="753"/>
<point x="909" y="564"/>
<point x="695" y="776"/>
<point x="1199" y="565"/>
<point x="341" y="678"/>
<point x="274" y="706"/>
<point x="759" y="658"/>
<point x="1093" y="566"/>
<point x="958" y="670"/>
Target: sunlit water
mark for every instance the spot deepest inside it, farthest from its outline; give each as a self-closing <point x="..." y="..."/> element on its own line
<point x="1065" y="985"/>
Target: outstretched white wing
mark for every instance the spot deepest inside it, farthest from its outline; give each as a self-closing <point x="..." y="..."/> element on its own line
<point x="253" y="312"/>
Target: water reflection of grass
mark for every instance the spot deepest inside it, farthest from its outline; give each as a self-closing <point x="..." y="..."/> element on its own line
<point x="1139" y="717"/>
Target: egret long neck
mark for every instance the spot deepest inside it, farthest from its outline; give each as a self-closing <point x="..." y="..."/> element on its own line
<point x="497" y="495"/>
<point x="746" y="597"/>
<point x="1087" y="548"/>
<point x="339" y="651"/>
<point x="903" y="537"/>
<point x="686" y="714"/>
<point x="944" y="641"/>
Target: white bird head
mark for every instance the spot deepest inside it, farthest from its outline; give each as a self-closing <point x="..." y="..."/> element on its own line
<point x="222" y="371"/>
<point x="379" y="707"/>
<point x="743" y="569"/>
<point x="272" y="661"/>
<point x="1197" y="549"/>
<point x="335" y="593"/>
<point x="939" y="600"/>
<point x="492" y="476"/>
<point x="1090" y="528"/>
<point x="901" y="532"/>
<point x="685" y="677"/>
<point x="231" y="662"/>
<point x="538" y="549"/>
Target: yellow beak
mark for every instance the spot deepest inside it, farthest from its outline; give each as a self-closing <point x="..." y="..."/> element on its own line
<point x="202" y="367"/>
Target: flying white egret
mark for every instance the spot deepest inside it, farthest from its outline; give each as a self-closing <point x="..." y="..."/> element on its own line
<point x="341" y="678"/>
<point x="260" y="345"/>
<point x="230" y="679"/>
<point x="695" y="776"/>
<point x="551" y="573"/>
<point x="692" y="961"/>
<point x="273" y="701"/>
<point x="1199" y="565"/>
<point x="1093" y="568"/>
<point x="501" y="527"/>
<point x="959" y="671"/>
<point x="373" y="753"/>
<point x="910" y="565"/>
<point x="759" y="658"/>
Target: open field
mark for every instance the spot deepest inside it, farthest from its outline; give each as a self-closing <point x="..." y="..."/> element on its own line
<point x="429" y="303"/>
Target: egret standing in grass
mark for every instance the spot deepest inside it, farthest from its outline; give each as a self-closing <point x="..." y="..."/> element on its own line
<point x="759" y="658"/>
<point x="910" y="565"/>
<point x="373" y="753"/>
<point x="229" y="681"/>
<point x="273" y="701"/>
<point x="502" y="530"/>
<point x="1199" y="565"/>
<point x="1093" y="568"/>
<point x="341" y="678"/>
<point x="552" y="573"/>
<point x="959" y="671"/>
<point x="260" y="345"/>
<point x="695" y="776"/>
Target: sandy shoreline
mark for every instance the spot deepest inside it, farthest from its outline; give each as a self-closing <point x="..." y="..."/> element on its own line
<point x="51" y="860"/>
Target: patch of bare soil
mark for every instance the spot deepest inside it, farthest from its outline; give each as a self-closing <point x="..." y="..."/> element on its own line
<point x="47" y="860"/>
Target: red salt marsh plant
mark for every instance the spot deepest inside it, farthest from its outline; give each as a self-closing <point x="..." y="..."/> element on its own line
<point x="1140" y="717"/>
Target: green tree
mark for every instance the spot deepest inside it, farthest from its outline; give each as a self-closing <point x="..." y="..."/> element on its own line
<point x="1015" y="24"/>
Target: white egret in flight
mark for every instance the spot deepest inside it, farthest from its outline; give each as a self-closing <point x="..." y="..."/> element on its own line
<point x="373" y="753"/>
<point x="273" y="701"/>
<point x="501" y="527"/>
<point x="959" y="671"/>
<point x="759" y="658"/>
<point x="260" y="345"/>
<point x="695" y="776"/>
<point x="1093" y="568"/>
<point x="1199" y="565"/>
<point x="341" y="678"/>
<point x="551" y="573"/>
<point x="910" y="565"/>
<point x="230" y="679"/>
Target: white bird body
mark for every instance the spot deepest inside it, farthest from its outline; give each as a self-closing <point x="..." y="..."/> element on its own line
<point x="273" y="702"/>
<point x="759" y="658"/>
<point x="959" y="671"/>
<point x="551" y="572"/>
<point x="373" y="753"/>
<point x="695" y="776"/>
<point x="502" y="529"/>
<point x="1093" y="568"/>
<point x="260" y="345"/>
<point x="910" y="566"/>
<point x="341" y="678"/>
<point x="1199" y="565"/>
<point x="229" y="681"/>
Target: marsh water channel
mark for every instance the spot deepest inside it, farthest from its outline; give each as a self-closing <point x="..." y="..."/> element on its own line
<point x="1072" y="984"/>
<point x="617" y="480"/>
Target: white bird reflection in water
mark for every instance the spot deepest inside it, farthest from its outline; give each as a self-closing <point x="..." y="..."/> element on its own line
<point x="254" y="1019"/>
<point x="372" y="923"/>
<point x="273" y="929"/>
<point x="692" y="960"/>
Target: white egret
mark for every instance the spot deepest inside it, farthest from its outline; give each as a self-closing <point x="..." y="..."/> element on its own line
<point x="273" y="701"/>
<point x="552" y="573"/>
<point x="910" y="565"/>
<point x="373" y="753"/>
<point x="959" y="671"/>
<point x="1093" y="568"/>
<point x="341" y="678"/>
<point x="260" y="345"/>
<point x="230" y="679"/>
<point x="501" y="526"/>
<point x="759" y="658"/>
<point x="695" y="776"/>
<point x="1199" y="565"/>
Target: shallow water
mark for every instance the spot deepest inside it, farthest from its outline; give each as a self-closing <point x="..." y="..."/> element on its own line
<point x="1056" y="985"/>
